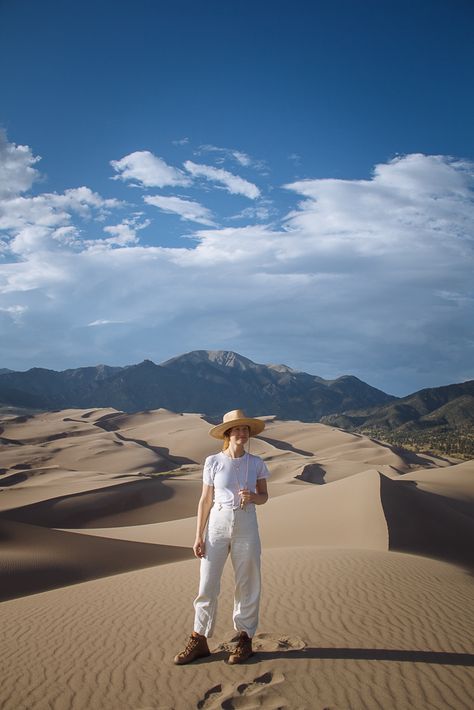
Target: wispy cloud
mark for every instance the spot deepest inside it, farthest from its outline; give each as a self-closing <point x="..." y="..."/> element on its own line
<point x="104" y="321"/>
<point x="232" y="183"/>
<point x="186" y="209"/>
<point x="147" y="170"/>
<point x="262" y="213"/>
<point x="295" y="158"/>
<point x="15" y="312"/>
<point x="231" y="154"/>
<point x="237" y="156"/>
<point x="181" y="141"/>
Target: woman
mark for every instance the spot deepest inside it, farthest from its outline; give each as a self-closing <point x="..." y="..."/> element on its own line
<point x="233" y="483"/>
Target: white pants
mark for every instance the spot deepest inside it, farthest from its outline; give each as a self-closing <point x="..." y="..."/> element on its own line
<point x="234" y="531"/>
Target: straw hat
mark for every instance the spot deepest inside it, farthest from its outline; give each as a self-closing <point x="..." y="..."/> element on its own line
<point x="237" y="418"/>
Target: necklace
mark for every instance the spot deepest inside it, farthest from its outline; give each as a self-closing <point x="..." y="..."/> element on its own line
<point x="236" y="467"/>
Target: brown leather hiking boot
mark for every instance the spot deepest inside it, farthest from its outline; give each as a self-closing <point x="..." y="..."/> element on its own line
<point x="243" y="649"/>
<point x="195" y="648"/>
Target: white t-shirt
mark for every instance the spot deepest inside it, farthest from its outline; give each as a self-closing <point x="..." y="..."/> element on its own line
<point x="229" y="475"/>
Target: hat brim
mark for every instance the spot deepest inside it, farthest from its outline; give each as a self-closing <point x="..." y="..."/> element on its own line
<point x="255" y="425"/>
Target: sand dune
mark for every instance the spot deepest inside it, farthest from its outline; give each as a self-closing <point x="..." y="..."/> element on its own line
<point x="339" y="629"/>
<point x="35" y="558"/>
<point x="97" y="516"/>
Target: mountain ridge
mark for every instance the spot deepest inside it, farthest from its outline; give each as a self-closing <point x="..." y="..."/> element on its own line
<point x="207" y="381"/>
<point x="435" y="418"/>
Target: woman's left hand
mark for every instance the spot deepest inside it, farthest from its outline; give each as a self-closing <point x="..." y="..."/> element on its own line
<point x="247" y="496"/>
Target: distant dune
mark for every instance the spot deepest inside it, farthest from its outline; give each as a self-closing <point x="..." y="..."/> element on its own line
<point x="367" y="563"/>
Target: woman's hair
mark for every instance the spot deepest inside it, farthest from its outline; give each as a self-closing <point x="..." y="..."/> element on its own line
<point x="226" y="443"/>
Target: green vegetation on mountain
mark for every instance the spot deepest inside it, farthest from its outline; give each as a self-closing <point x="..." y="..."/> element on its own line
<point x="439" y="420"/>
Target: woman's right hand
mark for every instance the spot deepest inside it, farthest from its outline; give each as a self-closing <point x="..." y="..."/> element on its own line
<point x="199" y="547"/>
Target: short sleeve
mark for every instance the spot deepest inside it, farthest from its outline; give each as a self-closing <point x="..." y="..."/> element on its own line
<point x="262" y="470"/>
<point x="208" y="471"/>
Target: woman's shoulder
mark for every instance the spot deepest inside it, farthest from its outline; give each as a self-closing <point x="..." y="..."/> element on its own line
<point x="255" y="458"/>
<point x="213" y="458"/>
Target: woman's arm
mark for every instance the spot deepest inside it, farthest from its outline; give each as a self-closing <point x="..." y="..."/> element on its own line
<point x="204" y="506"/>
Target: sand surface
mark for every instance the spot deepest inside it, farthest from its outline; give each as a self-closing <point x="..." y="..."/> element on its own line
<point x="367" y="569"/>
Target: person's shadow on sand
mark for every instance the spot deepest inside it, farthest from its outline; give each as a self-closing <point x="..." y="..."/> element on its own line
<point x="267" y="686"/>
<point x="444" y="658"/>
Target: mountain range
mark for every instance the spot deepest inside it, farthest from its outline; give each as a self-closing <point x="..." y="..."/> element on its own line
<point x="209" y="382"/>
<point x="213" y="382"/>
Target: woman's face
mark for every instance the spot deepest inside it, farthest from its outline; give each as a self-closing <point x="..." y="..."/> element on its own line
<point x="239" y="434"/>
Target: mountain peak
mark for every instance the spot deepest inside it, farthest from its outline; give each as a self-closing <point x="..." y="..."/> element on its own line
<point x="222" y="358"/>
<point x="144" y="364"/>
<point x="228" y="358"/>
<point x="282" y="368"/>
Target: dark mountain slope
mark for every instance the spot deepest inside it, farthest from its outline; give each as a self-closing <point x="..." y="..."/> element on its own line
<point x="438" y="418"/>
<point x="211" y="382"/>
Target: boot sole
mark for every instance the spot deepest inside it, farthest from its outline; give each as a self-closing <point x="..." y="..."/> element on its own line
<point x="182" y="662"/>
<point x="235" y="662"/>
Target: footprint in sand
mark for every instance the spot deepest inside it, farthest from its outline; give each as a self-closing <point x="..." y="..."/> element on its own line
<point x="272" y="642"/>
<point x="258" y="693"/>
<point x="266" y="643"/>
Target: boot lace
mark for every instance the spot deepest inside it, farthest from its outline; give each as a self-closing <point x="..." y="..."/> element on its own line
<point x="243" y="646"/>
<point x="190" y="646"/>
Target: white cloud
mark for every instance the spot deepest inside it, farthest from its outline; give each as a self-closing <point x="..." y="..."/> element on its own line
<point x="148" y="170"/>
<point x="232" y="183"/>
<point x="370" y="277"/>
<point x="16" y="172"/>
<point x="125" y="233"/>
<point x="186" y="209"/>
<point x="42" y="222"/>
<point x="411" y="203"/>
<point x="37" y="222"/>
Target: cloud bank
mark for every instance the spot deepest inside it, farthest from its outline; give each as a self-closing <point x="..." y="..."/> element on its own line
<point x="368" y="277"/>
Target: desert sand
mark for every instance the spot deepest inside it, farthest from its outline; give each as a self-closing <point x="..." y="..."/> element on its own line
<point x="367" y="569"/>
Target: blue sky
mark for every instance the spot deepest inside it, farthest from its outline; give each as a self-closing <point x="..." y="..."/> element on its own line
<point x="292" y="181"/>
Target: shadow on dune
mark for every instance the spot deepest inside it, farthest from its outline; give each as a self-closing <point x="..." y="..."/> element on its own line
<point x="134" y="503"/>
<point x="410" y="457"/>
<point x="11" y="442"/>
<point x="426" y="523"/>
<point x="13" y="479"/>
<point x="106" y="422"/>
<point x="285" y="446"/>
<point x="33" y="559"/>
<point x="361" y="654"/>
<point x="162" y="451"/>
<point x="312" y="473"/>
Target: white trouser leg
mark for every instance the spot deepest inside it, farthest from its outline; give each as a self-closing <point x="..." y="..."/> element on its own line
<point x="245" y="554"/>
<point x="218" y="537"/>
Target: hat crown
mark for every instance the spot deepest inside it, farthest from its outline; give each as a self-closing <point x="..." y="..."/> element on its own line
<point x="233" y="415"/>
<point x="237" y="417"/>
